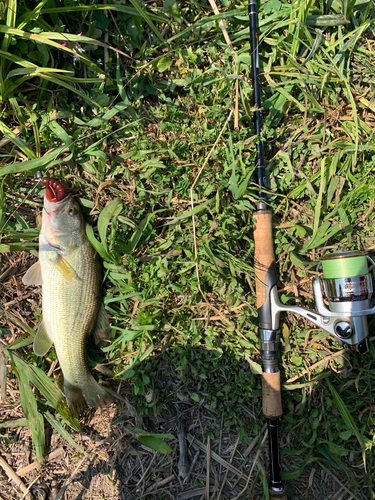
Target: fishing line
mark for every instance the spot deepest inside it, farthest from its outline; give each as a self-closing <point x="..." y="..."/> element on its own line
<point x="37" y="184"/>
<point x="337" y="266"/>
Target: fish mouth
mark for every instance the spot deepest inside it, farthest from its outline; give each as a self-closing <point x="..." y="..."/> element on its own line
<point x="55" y="191"/>
<point x="53" y="207"/>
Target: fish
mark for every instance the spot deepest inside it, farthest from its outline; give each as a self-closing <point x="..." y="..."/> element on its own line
<point x="70" y="274"/>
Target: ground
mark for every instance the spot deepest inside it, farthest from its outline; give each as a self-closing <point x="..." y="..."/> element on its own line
<point x="114" y="465"/>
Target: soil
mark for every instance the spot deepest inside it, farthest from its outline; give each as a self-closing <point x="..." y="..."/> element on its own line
<point x="115" y="465"/>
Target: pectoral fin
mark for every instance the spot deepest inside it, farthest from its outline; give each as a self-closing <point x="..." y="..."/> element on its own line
<point x="42" y="342"/>
<point x="64" y="267"/>
<point x="33" y="275"/>
<point x="102" y="330"/>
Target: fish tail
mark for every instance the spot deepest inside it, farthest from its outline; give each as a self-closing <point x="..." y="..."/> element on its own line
<point x="74" y="398"/>
<point x="95" y="395"/>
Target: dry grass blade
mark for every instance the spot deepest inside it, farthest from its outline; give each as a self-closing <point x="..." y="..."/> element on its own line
<point x="52" y="456"/>
<point x="17" y="480"/>
<point x="208" y="466"/>
<point x="221" y="24"/>
<point x="161" y="483"/>
<point x="254" y="442"/>
<point x="183" y="461"/>
<point x="197" y="492"/>
<point x="324" y="361"/>
<point x="17" y="322"/>
<point x="198" y="445"/>
<point x="255" y="461"/>
<point x="60" y="495"/>
<point x="227" y="471"/>
<point x="193" y="462"/>
<point x="352" y="495"/>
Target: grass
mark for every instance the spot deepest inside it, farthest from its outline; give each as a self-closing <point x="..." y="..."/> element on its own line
<point x="131" y="138"/>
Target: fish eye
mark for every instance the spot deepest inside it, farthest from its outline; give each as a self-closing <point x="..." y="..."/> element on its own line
<point x="72" y="211"/>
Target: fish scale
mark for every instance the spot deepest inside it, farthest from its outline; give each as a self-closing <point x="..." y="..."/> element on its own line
<point x="77" y="303"/>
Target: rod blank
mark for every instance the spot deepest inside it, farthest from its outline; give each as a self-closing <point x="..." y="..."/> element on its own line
<point x="257" y="96"/>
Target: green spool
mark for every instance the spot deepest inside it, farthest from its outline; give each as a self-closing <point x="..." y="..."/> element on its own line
<point x="345" y="265"/>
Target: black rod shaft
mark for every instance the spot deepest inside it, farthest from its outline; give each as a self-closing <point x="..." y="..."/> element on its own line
<point x="274" y="451"/>
<point x="257" y="97"/>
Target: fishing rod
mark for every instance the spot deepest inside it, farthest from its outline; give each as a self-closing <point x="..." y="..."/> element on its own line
<point x="266" y="280"/>
<point x="343" y="291"/>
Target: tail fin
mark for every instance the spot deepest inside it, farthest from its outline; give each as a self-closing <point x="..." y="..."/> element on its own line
<point x="95" y="394"/>
<point x="74" y="398"/>
<point x="92" y="394"/>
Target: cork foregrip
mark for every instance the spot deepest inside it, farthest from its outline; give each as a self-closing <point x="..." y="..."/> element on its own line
<point x="264" y="253"/>
<point x="282" y="496"/>
<point x="272" y="407"/>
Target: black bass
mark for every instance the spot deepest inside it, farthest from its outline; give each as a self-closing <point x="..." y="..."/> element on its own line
<point x="69" y="272"/>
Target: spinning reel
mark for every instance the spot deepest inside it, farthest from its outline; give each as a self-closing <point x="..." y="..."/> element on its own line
<point x="343" y="298"/>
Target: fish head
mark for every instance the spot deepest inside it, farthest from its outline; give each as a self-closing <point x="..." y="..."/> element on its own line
<point x="62" y="223"/>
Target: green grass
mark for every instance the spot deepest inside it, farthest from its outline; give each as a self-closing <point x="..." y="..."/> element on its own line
<point x="134" y="138"/>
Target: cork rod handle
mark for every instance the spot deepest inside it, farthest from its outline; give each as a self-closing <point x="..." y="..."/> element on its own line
<point x="264" y="254"/>
<point x="265" y="279"/>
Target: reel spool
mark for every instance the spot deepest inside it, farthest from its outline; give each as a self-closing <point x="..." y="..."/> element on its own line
<point x="346" y="277"/>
